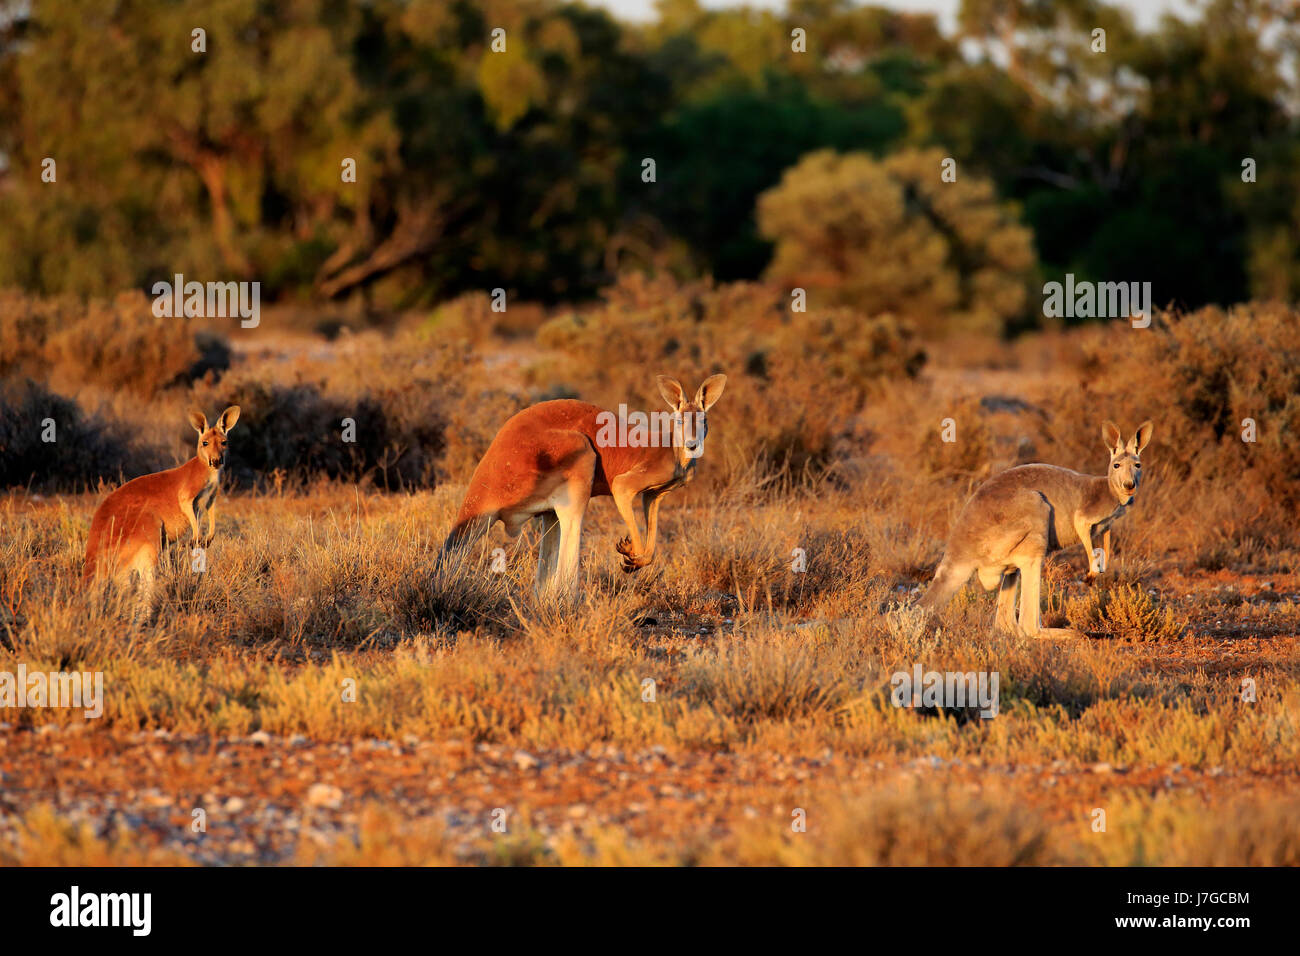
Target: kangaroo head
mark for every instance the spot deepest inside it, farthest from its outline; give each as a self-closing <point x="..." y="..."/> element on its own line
<point x="212" y="441"/>
<point x="690" y="416"/>
<point x="1125" y="470"/>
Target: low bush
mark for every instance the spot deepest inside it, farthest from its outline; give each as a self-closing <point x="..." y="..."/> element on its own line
<point x="48" y="443"/>
<point x="786" y="406"/>
<point x="120" y="344"/>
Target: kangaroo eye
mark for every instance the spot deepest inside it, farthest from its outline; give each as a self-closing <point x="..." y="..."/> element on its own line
<point x="205" y="445"/>
<point x="1116" y="463"/>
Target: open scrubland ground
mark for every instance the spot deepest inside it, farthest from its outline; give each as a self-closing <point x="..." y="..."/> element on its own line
<point x="327" y="693"/>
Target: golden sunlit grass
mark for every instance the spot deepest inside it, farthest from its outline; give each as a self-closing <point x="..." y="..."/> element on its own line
<point x="45" y="838"/>
<point x="296" y="607"/>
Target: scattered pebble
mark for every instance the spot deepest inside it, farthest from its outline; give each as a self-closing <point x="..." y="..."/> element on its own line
<point x="325" y="795"/>
<point x="525" y="760"/>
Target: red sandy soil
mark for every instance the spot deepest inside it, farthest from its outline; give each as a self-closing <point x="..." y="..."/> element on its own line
<point x="264" y="795"/>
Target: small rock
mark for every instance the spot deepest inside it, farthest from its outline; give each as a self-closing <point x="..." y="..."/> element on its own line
<point x="233" y="805"/>
<point x="325" y="795"/>
<point x="525" y="760"/>
<point x="260" y="739"/>
<point x="1102" y="768"/>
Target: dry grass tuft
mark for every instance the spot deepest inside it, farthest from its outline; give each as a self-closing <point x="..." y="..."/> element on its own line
<point x="1126" y="611"/>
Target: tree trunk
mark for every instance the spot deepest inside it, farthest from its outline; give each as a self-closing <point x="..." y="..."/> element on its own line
<point x="416" y="232"/>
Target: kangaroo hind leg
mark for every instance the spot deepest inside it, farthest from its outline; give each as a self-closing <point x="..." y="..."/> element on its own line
<point x="1030" y="566"/>
<point x="1006" y="619"/>
<point x="548" y="550"/>
<point x="569" y="504"/>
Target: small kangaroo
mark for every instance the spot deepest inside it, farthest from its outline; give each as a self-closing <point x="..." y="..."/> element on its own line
<point x="133" y="523"/>
<point x="550" y="459"/>
<point x="1015" y="519"/>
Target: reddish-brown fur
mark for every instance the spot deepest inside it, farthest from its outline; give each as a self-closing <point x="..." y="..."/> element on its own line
<point x="133" y="523"/>
<point x="548" y="461"/>
<point x="536" y="444"/>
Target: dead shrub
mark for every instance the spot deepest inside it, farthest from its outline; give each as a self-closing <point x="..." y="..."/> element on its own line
<point x="785" y="406"/>
<point x="119" y="344"/>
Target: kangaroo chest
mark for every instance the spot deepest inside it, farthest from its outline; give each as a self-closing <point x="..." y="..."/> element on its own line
<point x="204" y="499"/>
<point x="1062" y="531"/>
<point x="1105" y="523"/>
<point x="1066" y="535"/>
<point x="682" y="475"/>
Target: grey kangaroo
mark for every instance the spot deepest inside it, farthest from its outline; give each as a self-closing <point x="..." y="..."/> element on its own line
<point x="1015" y="519"/>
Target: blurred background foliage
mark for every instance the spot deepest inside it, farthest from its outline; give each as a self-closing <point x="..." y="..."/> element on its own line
<point x="523" y="169"/>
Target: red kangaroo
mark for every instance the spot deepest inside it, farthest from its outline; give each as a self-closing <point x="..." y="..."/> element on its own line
<point x="132" y="524"/>
<point x="550" y="459"/>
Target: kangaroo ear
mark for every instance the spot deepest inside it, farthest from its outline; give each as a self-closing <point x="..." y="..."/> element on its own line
<point x="228" y="419"/>
<point x="1142" y="436"/>
<point x="1111" y="436"/>
<point x="671" y="390"/>
<point x="198" y="420"/>
<point x="710" y="391"/>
